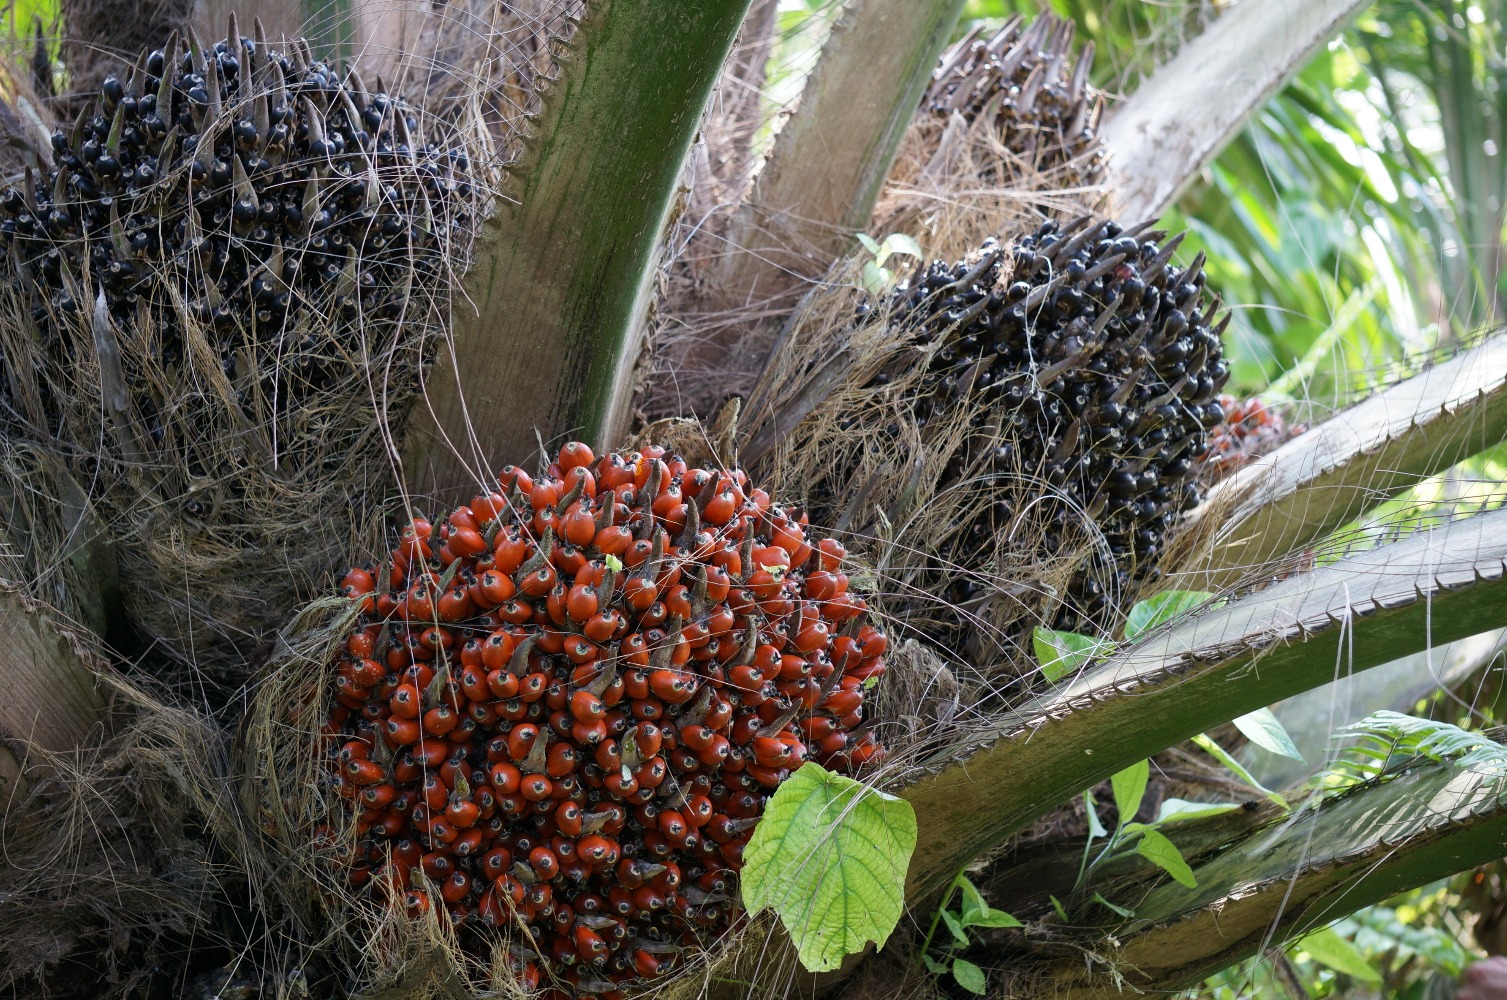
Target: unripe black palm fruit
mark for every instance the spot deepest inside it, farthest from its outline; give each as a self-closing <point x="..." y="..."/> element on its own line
<point x="1090" y="365"/>
<point x="1024" y="82"/>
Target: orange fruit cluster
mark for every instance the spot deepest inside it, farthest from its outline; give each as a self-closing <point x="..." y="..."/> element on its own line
<point x="1250" y="429"/>
<point x="565" y="705"/>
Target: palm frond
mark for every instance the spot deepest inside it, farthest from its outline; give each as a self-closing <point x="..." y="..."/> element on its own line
<point x="1386" y="743"/>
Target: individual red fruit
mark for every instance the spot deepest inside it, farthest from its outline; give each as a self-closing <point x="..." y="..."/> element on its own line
<point x="406" y="702"/>
<point x="544" y="862"/>
<point x="579" y="528"/>
<point x="575" y="455"/>
<point x="493" y="588"/>
<point x="586" y="707"/>
<point x="561" y="760"/>
<point x="536" y="787"/>
<point x="581" y="604"/>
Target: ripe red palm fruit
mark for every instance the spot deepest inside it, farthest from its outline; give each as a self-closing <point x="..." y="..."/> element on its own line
<point x="580" y="723"/>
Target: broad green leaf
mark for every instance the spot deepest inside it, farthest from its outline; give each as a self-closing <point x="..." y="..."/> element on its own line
<point x="1262" y="728"/>
<point x="1063" y="653"/>
<point x="933" y="966"/>
<point x="1120" y="910"/>
<point x="1327" y="948"/>
<point x="955" y="927"/>
<point x="1163" y="853"/>
<point x="868" y="243"/>
<point x="1179" y="810"/>
<point x="830" y="856"/>
<point x="1162" y="608"/>
<point x="992" y="918"/>
<point x="969" y="976"/>
<point x="1129" y="786"/>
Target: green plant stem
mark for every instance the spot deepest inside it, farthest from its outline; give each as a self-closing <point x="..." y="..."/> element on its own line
<point x="936" y="918"/>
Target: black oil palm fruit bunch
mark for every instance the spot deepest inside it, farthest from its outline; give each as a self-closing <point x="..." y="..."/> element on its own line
<point x="1088" y="368"/>
<point x="1024" y="81"/>
<point x="225" y="245"/>
<point x="260" y="186"/>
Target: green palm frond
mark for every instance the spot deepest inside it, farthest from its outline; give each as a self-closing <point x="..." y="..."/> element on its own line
<point x="1386" y="743"/>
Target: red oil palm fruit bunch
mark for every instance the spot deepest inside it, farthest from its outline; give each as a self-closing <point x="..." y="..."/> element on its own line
<point x="565" y="705"/>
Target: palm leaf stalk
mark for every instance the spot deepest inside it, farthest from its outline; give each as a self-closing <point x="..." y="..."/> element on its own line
<point x="1169" y="129"/>
<point x="560" y="288"/>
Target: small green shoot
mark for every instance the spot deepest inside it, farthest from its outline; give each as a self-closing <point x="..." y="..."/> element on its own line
<point x="972" y="912"/>
<point x="1130" y="837"/>
<point x="877" y="278"/>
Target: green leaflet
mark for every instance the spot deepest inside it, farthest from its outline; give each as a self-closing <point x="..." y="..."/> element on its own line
<point x="1328" y="948"/>
<point x="1129" y="786"/>
<point x="1262" y="728"/>
<point x="1392" y="738"/>
<point x="1181" y="810"/>
<point x="1063" y="653"/>
<point x="1160" y="851"/>
<point x="1162" y="608"/>
<point x="968" y="975"/>
<point x="829" y="856"/>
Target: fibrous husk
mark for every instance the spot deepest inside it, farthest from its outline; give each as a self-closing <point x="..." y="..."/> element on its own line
<point x="692" y="310"/>
<point x="102" y="36"/>
<point x="107" y="880"/>
<point x="220" y="341"/>
<point x="474" y="59"/>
